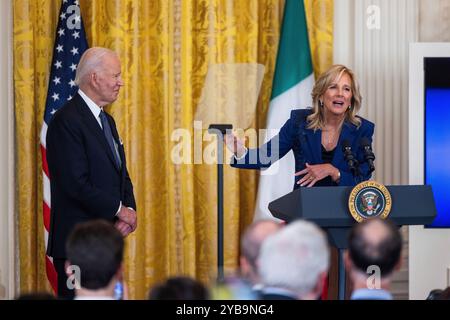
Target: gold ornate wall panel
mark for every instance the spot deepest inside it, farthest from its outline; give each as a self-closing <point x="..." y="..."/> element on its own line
<point x="319" y="14"/>
<point x="34" y="28"/>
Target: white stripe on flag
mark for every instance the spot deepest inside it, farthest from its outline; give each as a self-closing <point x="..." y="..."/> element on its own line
<point x="297" y="97"/>
<point x="44" y="134"/>
<point x="46" y="185"/>
<point x="46" y="239"/>
<point x="278" y="179"/>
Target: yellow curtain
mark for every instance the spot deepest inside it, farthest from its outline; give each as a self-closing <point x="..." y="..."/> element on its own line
<point x="166" y="47"/>
<point x="319" y="14"/>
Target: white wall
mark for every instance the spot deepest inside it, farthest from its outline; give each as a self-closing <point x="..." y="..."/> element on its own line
<point x="429" y="249"/>
<point x="7" y="250"/>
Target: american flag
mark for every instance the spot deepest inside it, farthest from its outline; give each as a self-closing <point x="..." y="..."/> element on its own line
<point x="70" y="43"/>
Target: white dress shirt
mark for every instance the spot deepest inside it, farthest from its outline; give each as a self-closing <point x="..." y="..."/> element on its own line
<point x="95" y="109"/>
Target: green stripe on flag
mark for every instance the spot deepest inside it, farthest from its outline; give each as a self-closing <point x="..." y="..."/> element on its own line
<point x="294" y="57"/>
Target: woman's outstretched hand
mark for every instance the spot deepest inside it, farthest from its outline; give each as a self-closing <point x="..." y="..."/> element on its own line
<point x="235" y="145"/>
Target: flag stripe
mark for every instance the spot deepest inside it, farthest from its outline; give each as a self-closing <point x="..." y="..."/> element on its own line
<point x="46" y="190"/>
<point x="70" y="43"/>
<point x="46" y="212"/>
<point x="51" y="273"/>
<point x="293" y="58"/>
<point x="44" y="161"/>
<point x="298" y="96"/>
<point x="292" y="86"/>
<point x="44" y="135"/>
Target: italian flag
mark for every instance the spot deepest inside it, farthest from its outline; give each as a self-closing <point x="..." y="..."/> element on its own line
<point x="291" y="89"/>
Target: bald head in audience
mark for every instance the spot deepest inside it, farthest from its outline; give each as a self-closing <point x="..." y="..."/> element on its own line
<point x="374" y="253"/>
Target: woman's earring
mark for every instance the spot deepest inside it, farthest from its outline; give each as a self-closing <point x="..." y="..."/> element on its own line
<point x="349" y="107"/>
<point x="320" y="103"/>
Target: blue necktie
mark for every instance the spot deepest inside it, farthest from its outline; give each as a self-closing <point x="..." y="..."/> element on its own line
<point x="109" y="138"/>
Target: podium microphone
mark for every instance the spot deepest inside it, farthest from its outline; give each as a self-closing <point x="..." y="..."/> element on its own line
<point x="348" y="156"/>
<point x="368" y="153"/>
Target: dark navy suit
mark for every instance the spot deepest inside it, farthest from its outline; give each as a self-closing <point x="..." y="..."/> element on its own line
<point x="85" y="180"/>
<point x="306" y="145"/>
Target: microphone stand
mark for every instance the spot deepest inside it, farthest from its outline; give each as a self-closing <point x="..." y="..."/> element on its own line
<point x="219" y="130"/>
<point x="352" y="163"/>
<point x="369" y="156"/>
<point x="357" y="174"/>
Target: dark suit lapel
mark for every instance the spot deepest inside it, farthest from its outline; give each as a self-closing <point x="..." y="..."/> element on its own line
<point x="313" y="139"/>
<point x="94" y="127"/>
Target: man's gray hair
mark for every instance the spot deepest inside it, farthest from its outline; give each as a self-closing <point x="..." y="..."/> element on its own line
<point x="294" y="257"/>
<point x="90" y="61"/>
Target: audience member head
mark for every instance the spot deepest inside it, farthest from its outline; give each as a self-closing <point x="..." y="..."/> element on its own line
<point x="251" y="243"/>
<point x="439" y="294"/>
<point x="96" y="248"/>
<point x="296" y="259"/>
<point x="179" y="288"/>
<point x="373" y="243"/>
<point x="233" y="288"/>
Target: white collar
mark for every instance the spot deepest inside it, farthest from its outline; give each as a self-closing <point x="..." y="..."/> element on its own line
<point x="95" y="109"/>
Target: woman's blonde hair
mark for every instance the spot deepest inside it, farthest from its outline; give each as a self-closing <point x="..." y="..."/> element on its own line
<point x="316" y="120"/>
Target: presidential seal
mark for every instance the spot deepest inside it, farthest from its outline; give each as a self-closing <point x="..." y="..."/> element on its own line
<point x="369" y="200"/>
